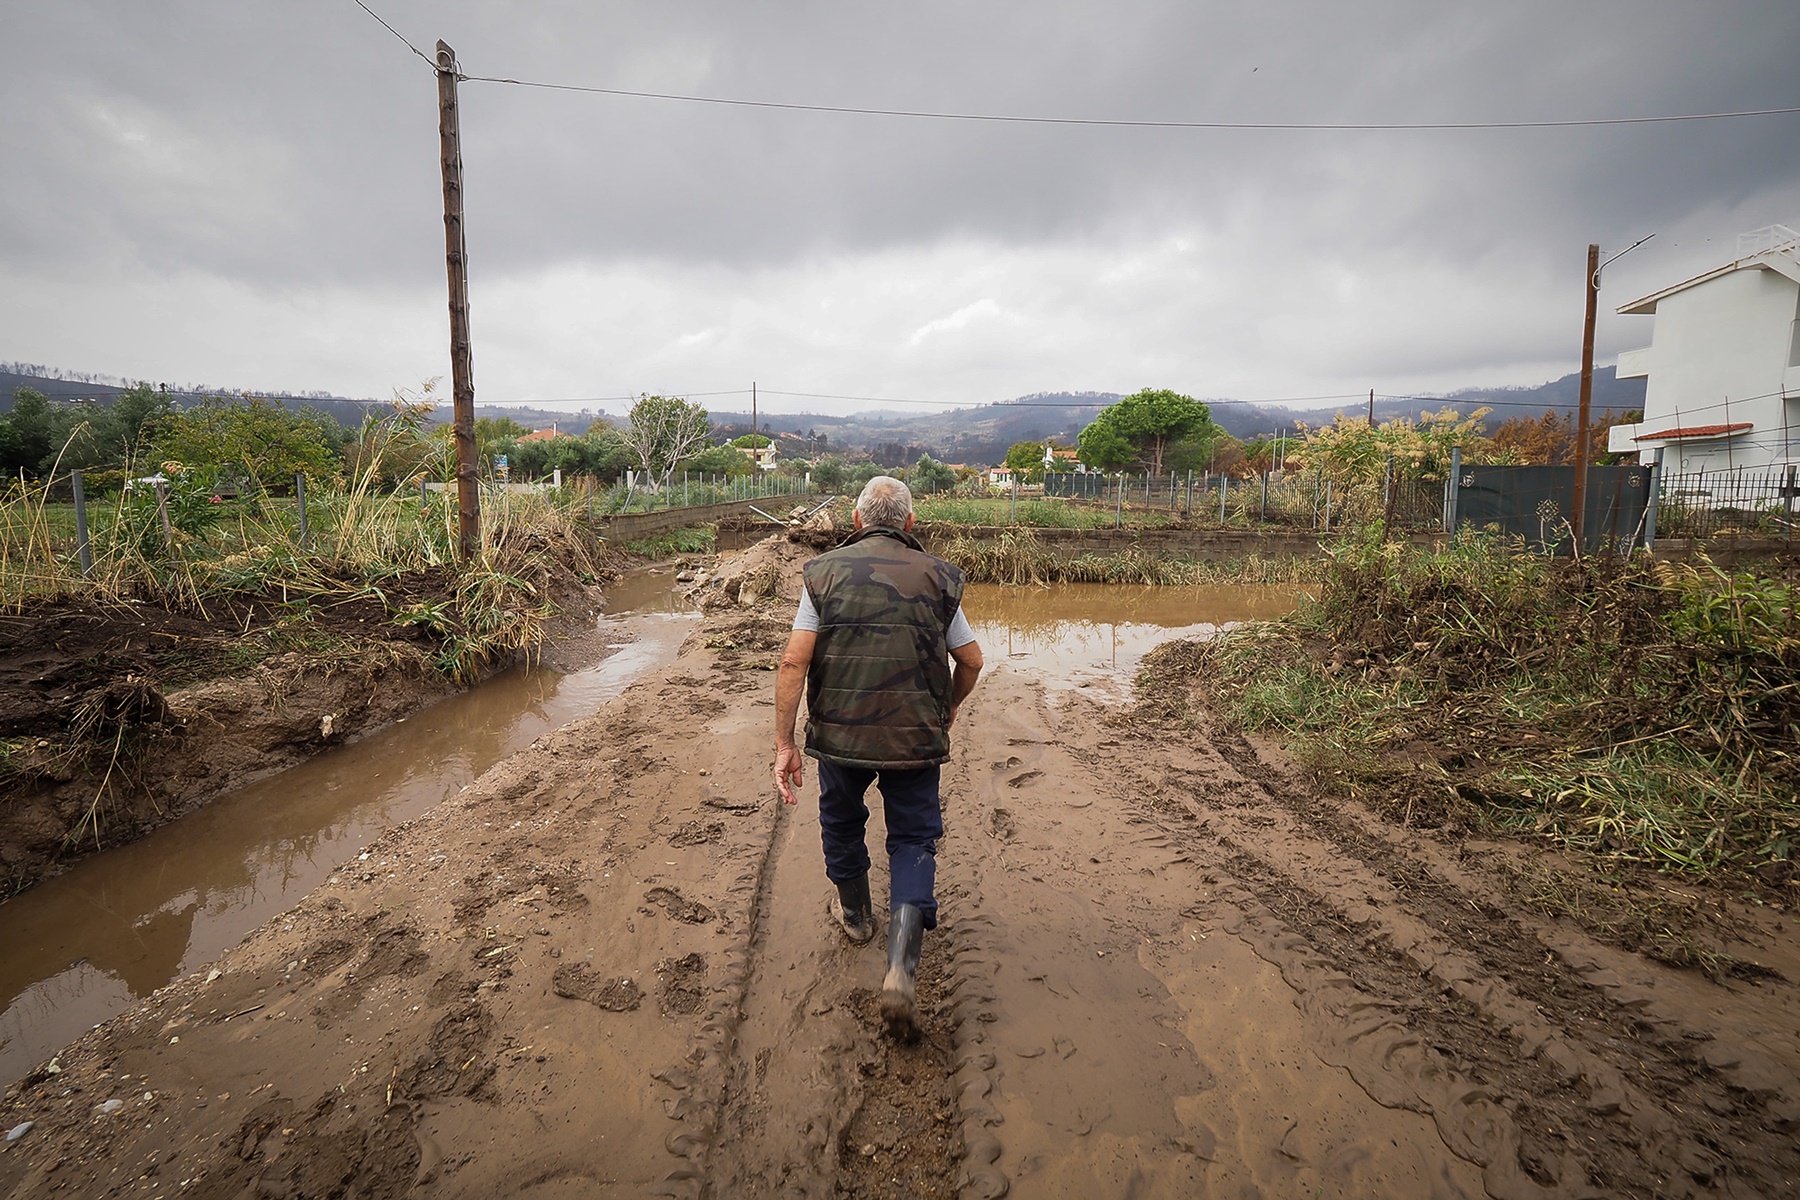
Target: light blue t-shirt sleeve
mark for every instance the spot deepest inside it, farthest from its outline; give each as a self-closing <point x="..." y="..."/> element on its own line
<point x="806" y="620"/>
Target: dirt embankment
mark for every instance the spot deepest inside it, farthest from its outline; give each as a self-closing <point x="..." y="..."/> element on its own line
<point x="1166" y="968"/>
<point x="115" y="719"/>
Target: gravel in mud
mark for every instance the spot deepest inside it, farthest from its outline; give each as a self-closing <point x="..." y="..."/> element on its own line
<point x="1165" y="968"/>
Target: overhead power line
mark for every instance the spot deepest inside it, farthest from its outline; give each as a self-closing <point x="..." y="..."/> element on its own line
<point x="1130" y="123"/>
<point x="1097" y="122"/>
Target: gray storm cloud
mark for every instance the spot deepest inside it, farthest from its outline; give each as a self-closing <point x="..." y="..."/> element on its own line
<point x="250" y="191"/>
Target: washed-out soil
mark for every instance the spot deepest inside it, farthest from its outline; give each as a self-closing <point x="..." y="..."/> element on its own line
<point x="116" y="718"/>
<point x="1167" y="966"/>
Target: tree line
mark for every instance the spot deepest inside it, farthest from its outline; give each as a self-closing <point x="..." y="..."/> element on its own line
<point x="1162" y="432"/>
<point x="232" y="443"/>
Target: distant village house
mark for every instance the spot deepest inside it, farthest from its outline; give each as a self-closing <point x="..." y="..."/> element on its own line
<point x="1723" y="364"/>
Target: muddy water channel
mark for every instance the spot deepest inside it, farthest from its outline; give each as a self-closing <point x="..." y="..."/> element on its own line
<point x="121" y="924"/>
<point x="1094" y="635"/>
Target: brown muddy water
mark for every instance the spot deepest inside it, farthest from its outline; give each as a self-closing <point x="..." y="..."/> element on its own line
<point x="117" y="926"/>
<point x="84" y="946"/>
<point x="1094" y="635"/>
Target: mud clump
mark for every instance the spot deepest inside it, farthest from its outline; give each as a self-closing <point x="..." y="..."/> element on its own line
<point x="450" y="1065"/>
<point x="578" y="981"/>
<point x="688" y="912"/>
<point x="698" y="833"/>
<point x="682" y="990"/>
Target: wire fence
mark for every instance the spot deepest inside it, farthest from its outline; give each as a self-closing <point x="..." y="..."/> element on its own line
<point x="1704" y="504"/>
<point x="635" y="494"/>
<point x="1272" y="500"/>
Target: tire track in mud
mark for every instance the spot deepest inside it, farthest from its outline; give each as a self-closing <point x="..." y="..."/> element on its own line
<point x="1118" y="1050"/>
<point x="1647" y="1114"/>
<point x="804" y="1094"/>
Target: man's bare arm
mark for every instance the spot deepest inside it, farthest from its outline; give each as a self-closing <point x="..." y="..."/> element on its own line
<point x="790" y="683"/>
<point x="969" y="662"/>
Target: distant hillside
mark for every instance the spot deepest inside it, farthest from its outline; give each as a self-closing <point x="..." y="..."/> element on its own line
<point x="79" y="387"/>
<point x="976" y="435"/>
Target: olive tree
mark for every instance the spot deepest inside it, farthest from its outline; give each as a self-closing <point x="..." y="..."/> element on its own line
<point x="663" y="430"/>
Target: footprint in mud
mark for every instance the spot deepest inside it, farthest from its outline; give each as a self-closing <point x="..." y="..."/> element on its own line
<point x="578" y="981"/>
<point x="1023" y="778"/>
<point x="678" y="906"/>
<point x="448" y="1067"/>
<point x="698" y="833"/>
<point x="681" y="991"/>
<point x="1009" y="763"/>
<point x="1002" y="825"/>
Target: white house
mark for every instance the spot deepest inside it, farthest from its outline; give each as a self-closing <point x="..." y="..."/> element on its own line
<point x="1723" y="363"/>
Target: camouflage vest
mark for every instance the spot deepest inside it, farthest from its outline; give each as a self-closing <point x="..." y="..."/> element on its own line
<point x="878" y="689"/>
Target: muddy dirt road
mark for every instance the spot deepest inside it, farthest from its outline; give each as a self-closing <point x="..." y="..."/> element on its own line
<point x="1165" y="969"/>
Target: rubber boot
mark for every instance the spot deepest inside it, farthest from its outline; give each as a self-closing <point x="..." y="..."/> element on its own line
<point x="853" y="911"/>
<point x="906" y="934"/>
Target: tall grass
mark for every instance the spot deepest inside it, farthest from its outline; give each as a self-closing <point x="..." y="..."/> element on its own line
<point x="1643" y="712"/>
<point x="359" y="537"/>
<point x="1034" y="513"/>
<point x="1018" y="557"/>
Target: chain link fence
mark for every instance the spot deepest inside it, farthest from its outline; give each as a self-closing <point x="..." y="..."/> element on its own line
<point x="1274" y="500"/>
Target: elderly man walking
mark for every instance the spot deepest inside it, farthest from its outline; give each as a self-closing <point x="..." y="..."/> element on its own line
<point x="879" y="624"/>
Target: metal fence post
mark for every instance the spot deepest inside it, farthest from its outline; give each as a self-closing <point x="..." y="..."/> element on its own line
<point x="1119" y="499"/>
<point x="1262" y="512"/>
<point x="83" y="550"/>
<point x="1327" y="526"/>
<point x="1787" y="501"/>
<point x="1654" y="500"/>
<point x="1224" y="490"/>
<point x="1450" y="487"/>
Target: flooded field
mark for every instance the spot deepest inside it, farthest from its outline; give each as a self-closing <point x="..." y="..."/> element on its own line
<point x="119" y="925"/>
<point x="1093" y="635"/>
<point x="1168" y="965"/>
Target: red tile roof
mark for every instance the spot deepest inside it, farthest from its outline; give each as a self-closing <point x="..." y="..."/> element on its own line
<point x="544" y="435"/>
<point x="1678" y="432"/>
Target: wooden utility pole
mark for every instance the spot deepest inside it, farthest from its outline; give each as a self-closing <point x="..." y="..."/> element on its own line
<point x="1578" y="519"/>
<point x="462" y="371"/>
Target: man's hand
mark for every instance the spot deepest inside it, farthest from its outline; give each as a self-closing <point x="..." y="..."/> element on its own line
<point x="789" y="771"/>
<point x="790" y="681"/>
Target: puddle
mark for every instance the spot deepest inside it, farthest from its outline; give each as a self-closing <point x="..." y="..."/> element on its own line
<point x="1094" y="635"/>
<point x="121" y="924"/>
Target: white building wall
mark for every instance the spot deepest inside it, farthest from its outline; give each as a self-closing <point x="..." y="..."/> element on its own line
<point x="1719" y="355"/>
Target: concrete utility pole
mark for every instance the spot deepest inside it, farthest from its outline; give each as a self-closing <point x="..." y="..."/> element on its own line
<point x="462" y="371"/>
<point x="1578" y="519"/>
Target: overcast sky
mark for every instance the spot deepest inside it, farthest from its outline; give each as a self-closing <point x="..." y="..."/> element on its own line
<point x="246" y="192"/>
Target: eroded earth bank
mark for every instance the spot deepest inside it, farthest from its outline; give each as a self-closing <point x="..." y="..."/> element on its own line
<point x="1167" y="968"/>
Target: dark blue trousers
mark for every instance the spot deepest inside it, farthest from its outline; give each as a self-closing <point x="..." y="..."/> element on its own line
<point x="914" y="825"/>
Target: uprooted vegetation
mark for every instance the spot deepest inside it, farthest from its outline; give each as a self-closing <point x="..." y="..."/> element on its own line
<point x="179" y="666"/>
<point x="1019" y="557"/>
<point x="1646" y="714"/>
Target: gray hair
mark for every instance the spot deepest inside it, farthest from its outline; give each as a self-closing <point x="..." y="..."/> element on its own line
<point x="885" y="501"/>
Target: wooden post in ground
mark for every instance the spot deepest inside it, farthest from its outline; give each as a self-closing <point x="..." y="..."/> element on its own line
<point x="462" y="373"/>
<point x="1578" y="518"/>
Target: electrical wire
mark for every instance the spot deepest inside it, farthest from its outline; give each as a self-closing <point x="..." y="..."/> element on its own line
<point x="1128" y="123"/>
<point x="398" y="34"/>
<point x="1095" y="122"/>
